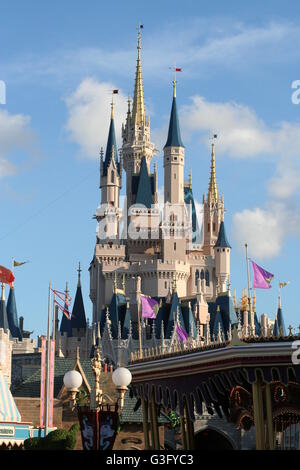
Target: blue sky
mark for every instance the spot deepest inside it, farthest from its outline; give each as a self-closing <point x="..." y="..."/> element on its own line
<point x="60" y="59"/>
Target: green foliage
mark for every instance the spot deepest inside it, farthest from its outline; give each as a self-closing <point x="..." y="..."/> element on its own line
<point x="81" y="398"/>
<point x="60" y="439"/>
<point x="175" y="420"/>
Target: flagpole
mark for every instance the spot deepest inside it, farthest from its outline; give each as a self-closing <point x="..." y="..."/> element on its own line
<point x="53" y="319"/>
<point x="248" y="276"/>
<point x="48" y="364"/>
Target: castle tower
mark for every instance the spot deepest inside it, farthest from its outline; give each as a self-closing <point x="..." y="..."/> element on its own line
<point x="110" y="184"/>
<point x="222" y="257"/>
<point x="213" y="208"/>
<point x="174" y="159"/>
<point x="65" y="325"/>
<point x="174" y="219"/>
<point x="136" y="132"/>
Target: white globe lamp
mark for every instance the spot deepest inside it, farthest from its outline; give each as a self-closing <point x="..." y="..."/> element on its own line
<point x="121" y="377"/>
<point x="72" y="382"/>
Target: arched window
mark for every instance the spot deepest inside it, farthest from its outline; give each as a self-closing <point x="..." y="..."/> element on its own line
<point x="112" y="176"/>
<point x="202" y="274"/>
<point x="207" y="278"/>
<point x="197" y="275"/>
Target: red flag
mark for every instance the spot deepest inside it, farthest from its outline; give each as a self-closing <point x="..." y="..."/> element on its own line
<point x="6" y="276"/>
<point x="178" y="70"/>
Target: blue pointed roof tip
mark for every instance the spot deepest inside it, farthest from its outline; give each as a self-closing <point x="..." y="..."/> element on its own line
<point x="12" y="315"/>
<point x="222" y="241"/>
<point x="111" y="148"/>
<point x="3" y="316"/>
<point x="78" y="318"/>
<point x="174" y="136"/>
<point x="144" y="192"/>
<point x="280" y="321"/>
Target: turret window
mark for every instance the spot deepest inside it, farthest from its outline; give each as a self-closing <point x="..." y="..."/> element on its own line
<point x="202" y="274"/>
<point x="197" y="275"/>
<point x="174" y="246"/>
<point x="214" y="227"/>
<point x="207" y="278"/>
<point x="112" y="176"/>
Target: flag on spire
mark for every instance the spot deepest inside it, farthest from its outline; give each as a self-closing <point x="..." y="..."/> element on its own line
<point x="261" y="278"/>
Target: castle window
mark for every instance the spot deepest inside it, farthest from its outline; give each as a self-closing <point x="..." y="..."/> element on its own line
<point x="214" y="227"/>
<point x="174" y="246"/>
<point x="112" y="176"/>
<point x="166" y="284"/>
<point x="197" y="275"/>
<point x="207" y="278"/>
<point x="202" y="274"/>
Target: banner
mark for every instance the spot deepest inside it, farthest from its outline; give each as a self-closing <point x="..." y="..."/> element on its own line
<point x="51" y="385"/>
<point x="88" y="420"/>
<point x="43" y="380"/>
<point x="108" y="426"/>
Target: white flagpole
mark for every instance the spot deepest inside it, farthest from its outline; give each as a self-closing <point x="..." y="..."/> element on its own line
<point x="48" y="364"/>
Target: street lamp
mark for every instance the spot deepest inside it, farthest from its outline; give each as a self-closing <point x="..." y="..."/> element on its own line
<point x="72" y="382"/>
<point x="121" y="377"/>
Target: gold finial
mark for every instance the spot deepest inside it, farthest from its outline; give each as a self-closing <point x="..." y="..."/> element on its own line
<point x="213" y="195"/>
<point x="77" y="353"/>
<point x="138" y="107"/>
<point x="79" y="271"/>
<point x="2" y="291"/>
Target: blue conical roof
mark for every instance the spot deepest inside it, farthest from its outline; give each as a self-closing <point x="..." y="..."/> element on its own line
<point x="173" y="315"/>
<point x="111" y="148"/>
<point x="78" y="319"/>
<point x="280" y="321"/>
<point x="65" y="324"/>
<point x="3" y="316"/>
<point x="222" y="241"/>
<point x="174" y="137"/>
<point x="12" y="315"/>
<point x="189" y="199"/>
<point x="126" y="324"/>
<point x="218" y="321"/>
<point x="189" y="321"/>
<point x="276" y="329"/>
<point x="144" y="192"/>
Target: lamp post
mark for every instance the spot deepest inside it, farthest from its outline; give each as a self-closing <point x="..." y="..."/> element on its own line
<point x="100" y="415"/>
<point x="72" y="382"/>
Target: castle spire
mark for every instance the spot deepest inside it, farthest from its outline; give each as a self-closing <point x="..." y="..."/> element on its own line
<point x="213" y="195"/>
<point x="111" y="147"/>
<point x="174" y="136"/>
<point x="138" y="107"/>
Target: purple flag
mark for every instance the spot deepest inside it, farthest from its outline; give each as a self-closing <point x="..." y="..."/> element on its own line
<point x="261" y="278"/>
<point x="181" y="333"/>
<point x="150" y="307"/>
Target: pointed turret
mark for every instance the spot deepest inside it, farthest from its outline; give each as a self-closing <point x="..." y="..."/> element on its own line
<point x="174" y="136"/>
<point x="78" y="319"/>
<point x="144" y="192"/>
<point x="213" y="195"/>
<point x="12" y="315"/>
<point x="3" y="312"/>
<point x="280" y="319"/>
<point x="111" y="147"/>
<point x="138" y="107"/>
<point x="222" y="241"/>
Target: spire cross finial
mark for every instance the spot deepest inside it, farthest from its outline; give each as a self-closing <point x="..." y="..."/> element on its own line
<point x="138" y="107"/>
<point x="79" y="271"/>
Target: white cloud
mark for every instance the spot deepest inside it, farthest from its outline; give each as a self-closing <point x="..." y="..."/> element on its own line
<point x="262" y="229"/>
<point x="89" y="115"/>
<point x="16" y="137"/>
